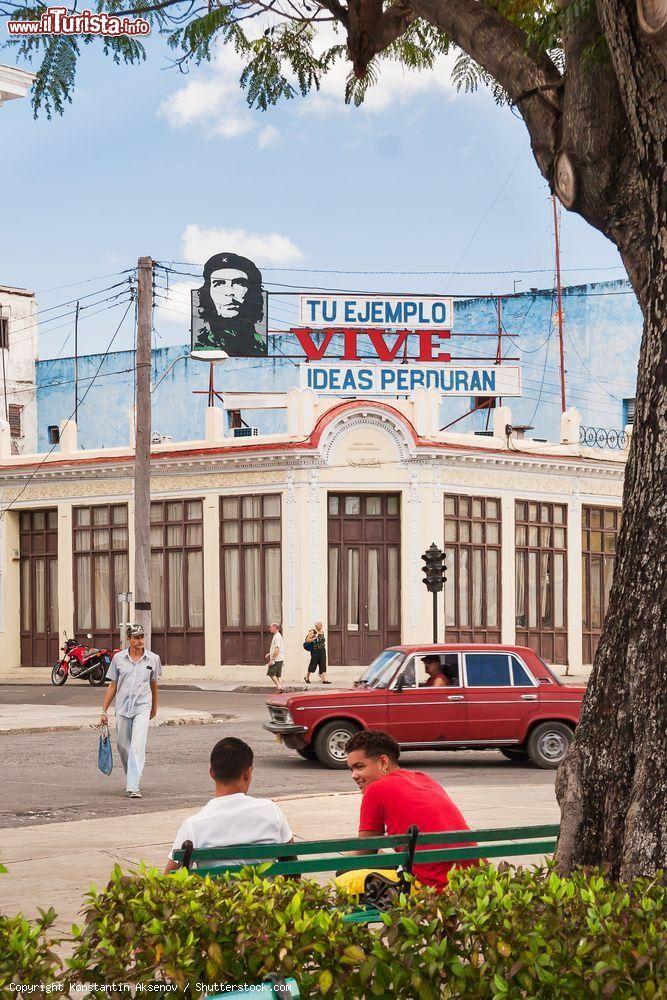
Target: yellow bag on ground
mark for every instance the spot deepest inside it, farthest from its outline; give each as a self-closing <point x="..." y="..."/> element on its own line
<point x="354" y="882"/>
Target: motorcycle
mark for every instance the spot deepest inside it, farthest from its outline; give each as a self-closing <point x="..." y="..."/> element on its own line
<point x="81" y="661"/>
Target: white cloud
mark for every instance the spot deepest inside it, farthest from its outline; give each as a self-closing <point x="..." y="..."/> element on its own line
<point x="269" y="136"/>
<point x="174" y="305"/>
<point x="264" y="248"/>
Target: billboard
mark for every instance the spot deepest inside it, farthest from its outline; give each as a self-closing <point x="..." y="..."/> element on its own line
<point x="389" y="312"/>
<point x="229" y="312"/>
<point x="390" y="380"/>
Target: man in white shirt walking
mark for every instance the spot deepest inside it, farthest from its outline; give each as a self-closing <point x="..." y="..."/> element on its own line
<point x="276" y="656"/>
<point x="232" y="816"/>
<point x="133" y="677"/>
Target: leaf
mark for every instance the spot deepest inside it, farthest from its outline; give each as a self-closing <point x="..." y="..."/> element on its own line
<point x="325" y="981"/>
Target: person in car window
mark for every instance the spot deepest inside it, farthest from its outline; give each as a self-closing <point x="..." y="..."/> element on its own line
<point x="436" y="676"/>
<point x="394" y="799"/>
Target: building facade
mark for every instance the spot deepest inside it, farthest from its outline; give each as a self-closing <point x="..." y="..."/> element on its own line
<point x="326" y="521"/>
<point x="18" y="357"/>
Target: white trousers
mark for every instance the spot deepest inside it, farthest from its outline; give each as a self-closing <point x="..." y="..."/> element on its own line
<point x="132" y="734"/>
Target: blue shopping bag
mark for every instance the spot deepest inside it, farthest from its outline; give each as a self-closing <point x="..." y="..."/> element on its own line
<point x="104" y="754"/>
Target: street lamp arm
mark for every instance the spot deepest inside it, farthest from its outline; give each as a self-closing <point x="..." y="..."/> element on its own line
<point x="181" y="357"/>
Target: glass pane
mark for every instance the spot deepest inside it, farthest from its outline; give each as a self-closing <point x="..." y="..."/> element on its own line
<point x="119" y="514"/>
<point x="608" y="578"/>
<point x="333" y="584"/>
<point x="121" y="581"/>
<point x="520" y="603"/>
<point x="373" y="581"/>
<point x="272" y="509"/>
<point x="194" y="534"/>
<point x="545" y="537"/>
<point x="477" y="508"/>
<point x="273" y="585"/>
<point x="174" y="510"/>
<point x="450" y="505"/>
<point x="521" y="511"/>
<point x="24" y="520"/>
<point x="52" y="520"/>
<point x="488" y="670"/>
<point x="157" y="595"/>
<point x="596" y="592"/>
<point x="333" y="506"/>
<point x="520" y="676"/>
<point x="450" y="531"/>
<point x="546" y="587"/>
<point x="352" y="505"/>
<point x="196" y="588"/>
<point x="193" y="510"/>
<point x="252" y="506"/>
<point x="230" y="531"/>
<point x="521" y="538"/>
<point x="83" y="615"/>
<point x="352" y="588"/>
<point x="102" y="587"/>
<point x="101" y="538"/>
<point x="119" y="538"/>
<point x="464" y="610"/>
<point x="477" y="532"/>
<point x="559" y="538"/>
<point x="392" y="506"/>
<point x="38" y="520"/>
<point x="100" y="515"/>
<point x="464" y="506"/>
<point x="532" y="512"/>
<point x="532" y="590"/>
<point x="533" y="538"/>
<point x="157" y="535"/>
<point x="559" y="590"/>
<point x="492" y="601"/>
<point x="25" y="595"/>
<point x="232" y="584"/>
<point x="393" y="587"/>
<point x="175" y="534"/>
<point x="464" y="531"/>
<point x="373" y="506"/>
<point x="40" y="595"/>
<point x="450" y="589"/>
<point x="609" y="518"/>
<point x="559" y="514"/>
<point x="595" y="517"/>
<point x="82" y="541"/>
<point x="252" y="596"/>
<point x="271" y="531"/>
<point x="82" y="515"/>
<point x="585" y="585"/>
<point x="175" y="611"/>
<point x="493" y="508"/>
<point x="477" y="584"/>
<point x="492" y="532"/>
<point x="230" y="507"/>
<point x="545" y="514"/>
<point x="596" y="541"/>
<point x="157" y="511"/>
<point x="251" y="531"/>
<point x="609" y="542"/>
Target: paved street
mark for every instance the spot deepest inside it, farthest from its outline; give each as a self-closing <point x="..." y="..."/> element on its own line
<point x="53" y="777"/>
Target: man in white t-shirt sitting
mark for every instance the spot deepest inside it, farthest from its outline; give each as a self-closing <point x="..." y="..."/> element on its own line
<point x="232" y="816"/>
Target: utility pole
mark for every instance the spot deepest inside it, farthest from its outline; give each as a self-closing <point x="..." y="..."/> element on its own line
<point x="142" y="449"/>
<point x="76" y="365"/>
<point x="563" y="405"/>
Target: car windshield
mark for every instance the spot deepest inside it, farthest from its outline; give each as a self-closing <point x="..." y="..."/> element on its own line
<point x="380" y="672"/>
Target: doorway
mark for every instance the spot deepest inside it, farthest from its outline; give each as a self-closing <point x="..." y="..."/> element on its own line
<point x="38" y="548"/>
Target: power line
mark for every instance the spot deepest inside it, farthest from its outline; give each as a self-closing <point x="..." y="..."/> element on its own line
<point x="323" y="270"/>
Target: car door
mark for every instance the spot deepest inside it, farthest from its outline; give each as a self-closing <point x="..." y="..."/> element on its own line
<point x="418" y="715"/>
<point x="498" y="708"/>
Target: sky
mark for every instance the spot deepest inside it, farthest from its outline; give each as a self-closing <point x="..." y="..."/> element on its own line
<point x="148" y="161"/>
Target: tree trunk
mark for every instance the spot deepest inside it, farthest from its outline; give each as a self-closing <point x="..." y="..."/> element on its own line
<point x="612" y="787"/>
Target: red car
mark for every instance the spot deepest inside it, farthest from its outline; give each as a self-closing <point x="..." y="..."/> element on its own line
<point x="479" y="698"/>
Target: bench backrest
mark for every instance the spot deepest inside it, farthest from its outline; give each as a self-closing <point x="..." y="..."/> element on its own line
<point x="312" y="856"/>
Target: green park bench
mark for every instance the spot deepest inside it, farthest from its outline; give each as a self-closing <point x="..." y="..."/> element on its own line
<point x="314" y="856"/>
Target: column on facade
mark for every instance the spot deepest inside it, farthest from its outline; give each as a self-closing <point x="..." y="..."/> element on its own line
<point x="419" y="527"/>
<point x="304" y="566"/>
<point x="10" y="625"/>
<point x="574" y="585"/>
<point x="508" y="570"/>
<point x="65" y="569"/>
<point x="212" y="635"/>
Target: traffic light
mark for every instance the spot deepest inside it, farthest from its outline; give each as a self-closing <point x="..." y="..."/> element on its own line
<point x="434" y="568"/>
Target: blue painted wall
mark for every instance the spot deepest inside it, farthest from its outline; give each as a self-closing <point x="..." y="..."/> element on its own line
<point x="603" y="327"/>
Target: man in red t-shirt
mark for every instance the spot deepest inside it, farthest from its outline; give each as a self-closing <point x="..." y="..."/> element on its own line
<point x="395" y="799"/>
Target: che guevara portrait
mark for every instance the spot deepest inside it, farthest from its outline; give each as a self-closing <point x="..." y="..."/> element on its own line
<point x="229" y="312"/>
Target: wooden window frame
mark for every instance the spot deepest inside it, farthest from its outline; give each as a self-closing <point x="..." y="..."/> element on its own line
<point x="590" y="635"/>
<point x="38" y="649"/>
<point x="549" y="642"/>
<point x="183" y="643"/>
<point x="4" y="333"/>
<point x="106" y="638"/>
<point x="15" y="417"/>
<point x="473" y="633"/>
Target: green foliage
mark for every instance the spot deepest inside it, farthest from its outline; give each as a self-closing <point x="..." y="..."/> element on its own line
<point x="495" y="934"/>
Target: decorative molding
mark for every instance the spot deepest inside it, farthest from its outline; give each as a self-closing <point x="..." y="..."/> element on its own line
<point x="2" y="575"/>
<point x="414" y="554"/>
<point x="365" y="420"/>
<point x="291" y="550"/>
<point x="316" y="612"/>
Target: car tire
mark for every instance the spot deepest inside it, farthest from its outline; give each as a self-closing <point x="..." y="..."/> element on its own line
<point x="330" y="743"/>
<point x="307" y="752"/>
<point x="548" y="744"/>
<point x="516" y="755"/>
<point x="58" y="675"/>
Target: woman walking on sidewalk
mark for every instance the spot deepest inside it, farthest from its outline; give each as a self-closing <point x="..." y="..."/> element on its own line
<point x="133" y="677"/>
<point x="317" y="642"/>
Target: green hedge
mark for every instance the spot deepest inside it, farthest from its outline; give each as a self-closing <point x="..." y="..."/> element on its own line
<point x="496" y="933"/>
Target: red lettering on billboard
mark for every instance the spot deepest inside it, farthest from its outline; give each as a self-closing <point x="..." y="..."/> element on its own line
<point x="429" y="343"/>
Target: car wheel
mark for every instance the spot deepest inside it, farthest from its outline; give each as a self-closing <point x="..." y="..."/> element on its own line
<point x="58" y="675"/>
<point x="516" y="755"/>
<point x="331" y="741"/>
<point x="548" y="744"/>
<point x="308" y="752"/>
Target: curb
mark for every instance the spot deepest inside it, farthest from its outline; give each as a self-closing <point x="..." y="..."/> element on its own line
<point x="208" y="719"/>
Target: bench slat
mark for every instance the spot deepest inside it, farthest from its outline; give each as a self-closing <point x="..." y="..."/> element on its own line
<point x="272" y="851"/>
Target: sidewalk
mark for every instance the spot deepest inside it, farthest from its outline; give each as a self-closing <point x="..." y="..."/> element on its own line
<point x="63" y="718"/>
<point x="55" y="865"/>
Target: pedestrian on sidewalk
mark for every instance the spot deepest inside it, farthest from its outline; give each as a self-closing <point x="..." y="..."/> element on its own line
<point x="276" y="656"/>
<point x="133" y="677"/>
<point x="316" y="643"/>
